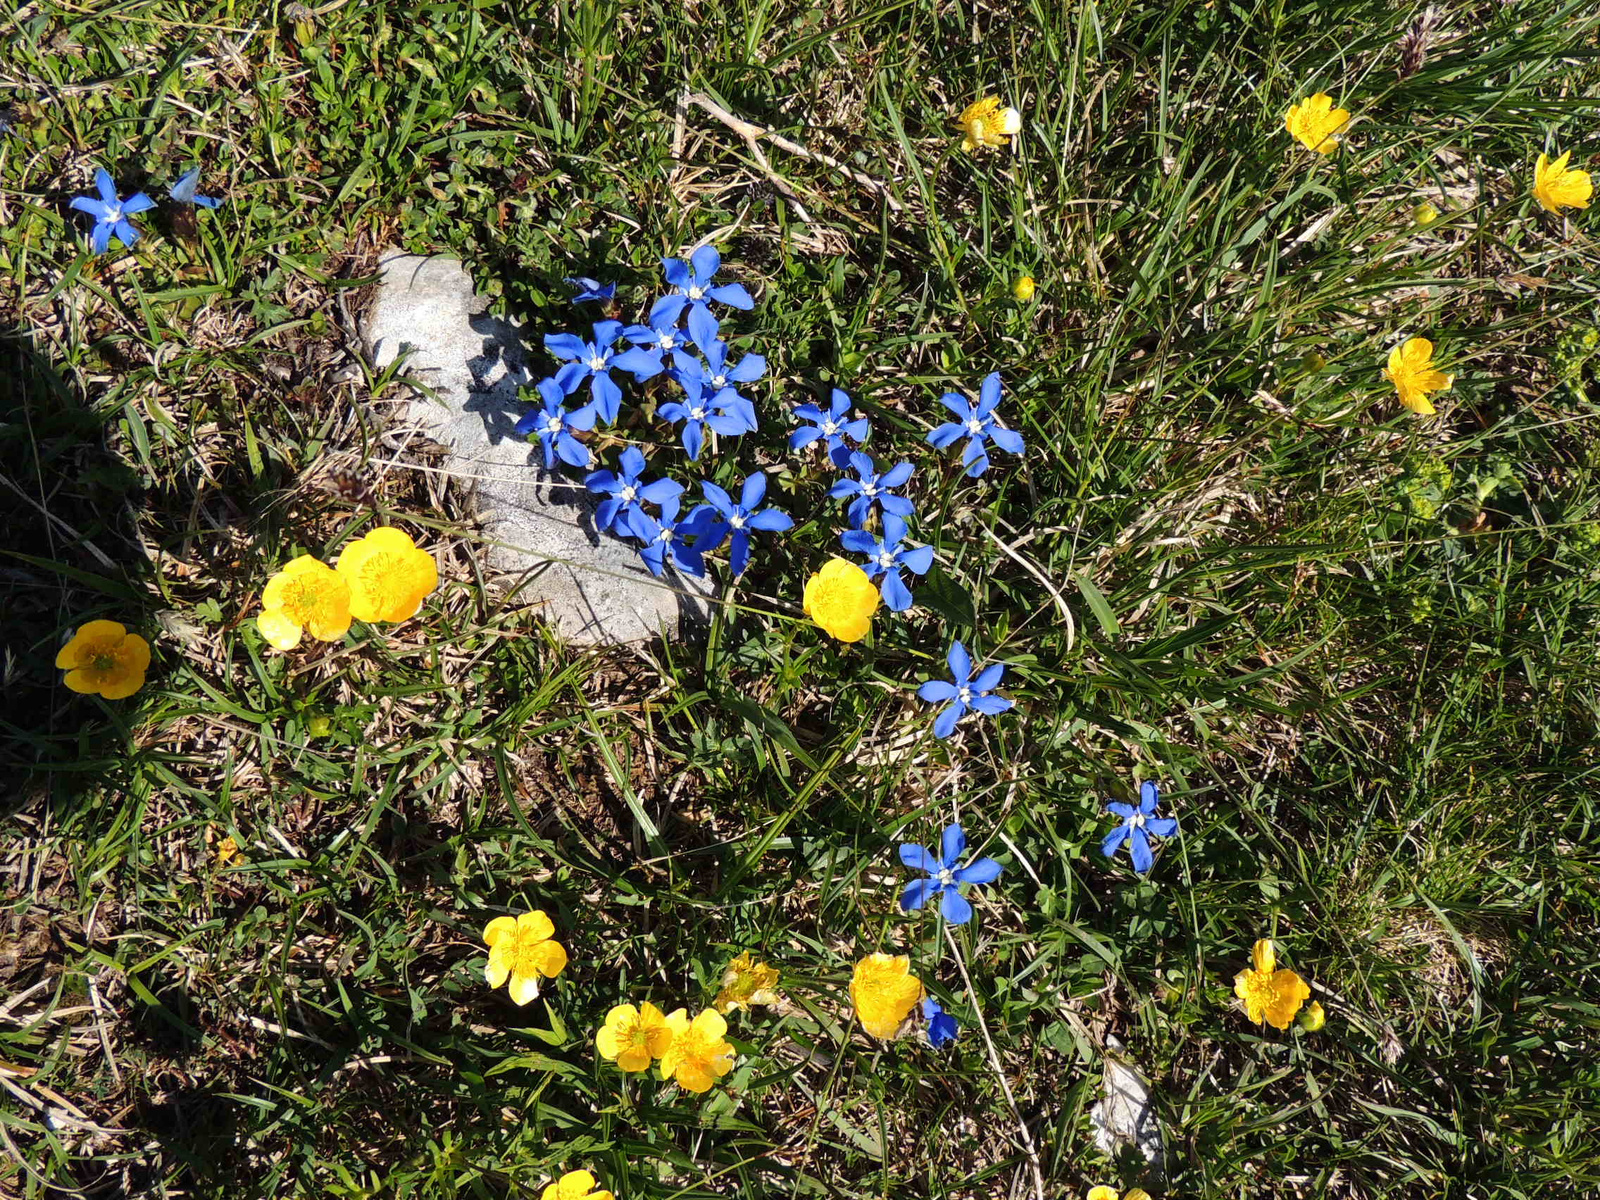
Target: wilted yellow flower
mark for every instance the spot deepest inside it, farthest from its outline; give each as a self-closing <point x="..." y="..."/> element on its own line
<point x="575" y="1185"/>
<point x="520" y="949"/>
<point x="1425" y="214"/>
<point x="1313" y="1018"/>
<point x="1556" y="186"/>
<point x="388" y="576"/>
<point x="631" y="1036"/>
<point x="747" y="982"/>
<point x="841" y="599"/>
<point x="306" y="596"/>
<point x="104" y="659"/>
<point x="1023" y="289"/>
<point x="1270" y="994"/>
<point x="884" y="992"/>
<point x="698" y="1056"/>
<point x="1411" y="371"/>
<point x="1316" y="123"/>
<point x="985" y="123"/>
<point x="227" y="851"/>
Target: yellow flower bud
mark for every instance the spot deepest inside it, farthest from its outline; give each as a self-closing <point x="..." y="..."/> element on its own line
<point x="1023" y="289"/>
<point x="1313" y="1018"/>
<point x="1425" y="214"/>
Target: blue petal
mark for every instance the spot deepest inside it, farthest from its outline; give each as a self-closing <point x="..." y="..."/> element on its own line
<point x="803" y="437"/>
<point x="896" y="475"/>
<point x="936" y="691"/>
<point x="917" y="561"/>
<point x="955" y="908"/>
<point x="667" y="310"/>
<point x="706" y="262"/>
<point x="991" y="706"/>
<point x="945" y="724"/>
<point x="952" y="845"/>
<point x="858" y="540"/>
<point x="632" y="462"/>
<point x="137" y="203"/>
<point x="677" y="274"/>
<point x="1161" y="826"/>
<point x="607" y="512"/>
<point x="856" y="430"/>
<point x="1113" y="840"/>
<point x="749" y="369"/>
<point x="980" y="870"/>
<point x="918" y="858"/>
<point x="1143" y="860"/>
<point x="898" y="505"/>
<point x="975" y="459"/>
<point x="753" y="492"/>
<point x="1125" y="811"/>
<point x="771" y="520"/>
<point x="958" y="404"/>
<point x="1149" y="797"/>
<point x="607" y="397"/>
<point x="606" y="333"/>
<point x="565" y="345"/>
<point x="702" y="326"/>
<point x="100" y="239"/>
<point x="960" y="663"/>
<point x="845" y="487"/>
<point x="728" y="424"/>
<point x="694" y="437"/>
<point x="126" y="233"/>
<point x="838" y="403"/>
<point x="858" y="512"/>
<point x="1008" y="440"/>
<point x="183" y="190"/>
<point x="95" y="208"/>
<point x="108" y="189"/>
<point x="580" y="418"/>
<point x="895" y="593"/>
<point x="989" y="394"/>
<point x="659" y="491"/>
<point x="916" y="893"/>
<point x="733" y="295"/>
<point x="988" y="677"/>
<point x="573" y="452"/>
<point x="739" y="552"/>
<point x="640" y="363"/>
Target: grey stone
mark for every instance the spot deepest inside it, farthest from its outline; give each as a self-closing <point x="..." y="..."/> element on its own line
<point x="539" y="524"/>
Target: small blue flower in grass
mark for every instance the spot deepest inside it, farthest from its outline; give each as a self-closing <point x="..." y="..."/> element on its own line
<point x="183" y="191"/>
<point x="697" y="411"/>
<point x="1138" y="826"/>
<point x="977" y="423"/>
<point x="553" y="424"/>
<point x="942" y="1027"/>
<point x="111" y="214"/>
<point x="886" y="556"/>
<point x="945" y="875"/>
<point x="714" y="374"/>
<point x="691" y="284"/>
<point x="658" y="339"/>
<point x="835" y="425"/>
<point x="590" y="289"/>
<point x="594" y="360"/>
<point x="735" y="521"/>
<point x="666" y="534"/>
<point x="963" y="692"/>
<point x="626" y="491"/>
<point x="870" y="488"/>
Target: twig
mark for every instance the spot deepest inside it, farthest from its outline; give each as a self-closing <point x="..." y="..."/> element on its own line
<point x="999" y="1071"/>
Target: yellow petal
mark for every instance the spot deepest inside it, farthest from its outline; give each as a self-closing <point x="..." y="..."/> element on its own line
<point x="524" y="988"/>
<point x="549" y="958"/>
<point x="496" y="971"/>
<point x="1264" y="957"/>
<point x="576" y="1184"/>
<point x="122" y="683"/>
<point x="498" y="928"/>
<point x="1101" y="1192"/>
<point x="280" y="630"/>
<point x="536" y="924"/>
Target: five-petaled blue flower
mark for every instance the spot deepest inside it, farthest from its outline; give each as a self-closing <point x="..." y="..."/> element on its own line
<point x="735" y="521"/>
<point x="963" y="691"/>
<point x="871" y="488"/>
<point x="594" y="360"/>
<point x="626" y="491"/>
<point x="714" y="375"/>
<point x="110" y="213"/>
<point x="1138" y="826"/>
<point x="590" y="289"/>
<point x="977" y="423"/>
<point x="697" y="410"/>
<point x="886" y="556"/>
<point x="183" y="191"/>
<point x="942" y="1027"/>
<point x="658" y="339"/>
<point x="835" y="425"/>
<point x="667" y="533"/>
<point x="691" y="284"/>
<point x="945" y="875"/>
<point x="553" y="425"/>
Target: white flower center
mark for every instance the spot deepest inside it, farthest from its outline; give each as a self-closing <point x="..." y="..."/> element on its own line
<point x="945" y="878"/>
<point x="885" y="559"/>
<point x="718" y="381"/>
<point x="627" y="494"/>
<point x="964" y="694"/>
<point x="695" y="293"/>
<point x="697" y="413"/>
<point x="553" y="425"/>
<point x="1136" y="821"/>
<point x="830" y="427"/>
<point x="664" y="536"/>
<point x="736" y="521"/>
<point x="974" y="427"/>
<point x="596" y="363"/>
<point x="113" y="214"/>
<point x="869" y="489"/>
<point x="667" y="341"/>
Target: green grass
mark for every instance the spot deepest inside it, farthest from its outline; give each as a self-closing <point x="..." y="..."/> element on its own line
<point x="1357" y="648"/>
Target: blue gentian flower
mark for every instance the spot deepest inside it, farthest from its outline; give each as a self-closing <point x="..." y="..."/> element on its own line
<point x="942" y="1027"/>
<point x="835" y="425"/>
<point x="871" y="488"/>
<point x="714" y="375"/>
<point x="594" y="360"/>
<point x="553" y="425"/>
<point x="696" y="411"/>
<point x="945" y="875"/>
<point x="976" y="424"/>
<point x="963" y="691"/>
<point x="111" y="214"/>
<point x="627" y="491"/>
<point x="590" y="289"/>
<point x="183" y="191"/>
<point x="735" y="521"/>
<point x="691" y="284"/>
<point x="667" y="533"/>
<point x="886" y="556"/>
<point x="658" y="339"/>
<point x="1138" y="827"/>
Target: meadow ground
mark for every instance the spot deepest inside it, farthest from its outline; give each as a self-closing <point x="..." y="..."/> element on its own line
<point x="1357" y="647"/>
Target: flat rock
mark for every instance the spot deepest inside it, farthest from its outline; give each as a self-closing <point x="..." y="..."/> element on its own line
<point x="539" y="525"/>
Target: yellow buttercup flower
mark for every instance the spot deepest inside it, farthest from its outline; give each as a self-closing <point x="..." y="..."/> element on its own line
<point x="884" y="992"/>
<point x="307" y="596"/>
<point x="1557" y="186"/>
<point x="575" y="1185"/>
<point x="1425" y="214"/>
<point x="698" y="1055"/>
<point x="1269" y="993"/>
<point x="841" y="599"/>
<point x="1102" y="1192"/>
<point x="631" y="1036"/>
<point x="985" y="123"/>
<point x="1023" y="289"/>
<point x="746" y="982"/>
<point x="521" y="950"/>
<point x="388" y="576"/>
<point x="1316" y="123"/>
<point x="1313" y="1018"/>
<point x="1411" y="371"/>
<point x="104" y="659"/>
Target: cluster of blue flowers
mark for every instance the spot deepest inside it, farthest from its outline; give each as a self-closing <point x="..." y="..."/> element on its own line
<point x="111" y="212"/>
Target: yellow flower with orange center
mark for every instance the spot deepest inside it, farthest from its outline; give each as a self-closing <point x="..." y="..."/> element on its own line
<point x="841" y="599"/>
<point x="104" y="659"/>
<point x="1411" y="371"/>
<point x="521" y="950"/>
<point x="884" y="991"/>
<point x="632" y="1037"/>
<point x="575" y="1185"/>
<point x="1557" y="186"/>
<point x="746" y="982"/>
<point x="1270" y="993"/>
<point x="1316" y="123"/>
<point x="388" y="576"/>
<point x="986" y="123"/>
<point x="307" y="596"/>
<point x="698" y="1055"/>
